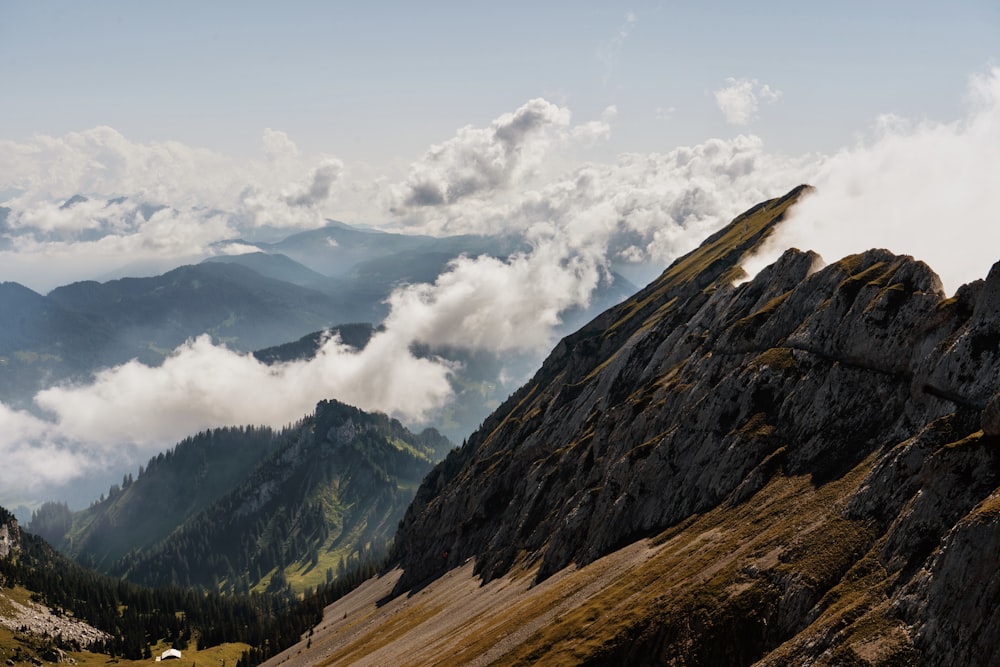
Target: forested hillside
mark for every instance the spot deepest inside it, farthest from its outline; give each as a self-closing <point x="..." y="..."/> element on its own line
<point x="243" y="509"/>
<point x="173" y="486"/>
<point x="128" y="619"/>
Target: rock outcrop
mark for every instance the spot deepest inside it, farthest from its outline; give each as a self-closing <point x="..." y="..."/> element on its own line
<point x="10" y="533"/>
<point x="697" y="393"/>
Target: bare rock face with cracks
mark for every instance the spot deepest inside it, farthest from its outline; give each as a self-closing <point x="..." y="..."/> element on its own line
<point x="693" y="397"/>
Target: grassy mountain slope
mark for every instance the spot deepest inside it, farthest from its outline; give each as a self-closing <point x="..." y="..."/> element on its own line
<point x="574" y="364"/>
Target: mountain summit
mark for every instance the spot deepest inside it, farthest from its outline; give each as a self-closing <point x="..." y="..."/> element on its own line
<point x="799" y="469"/>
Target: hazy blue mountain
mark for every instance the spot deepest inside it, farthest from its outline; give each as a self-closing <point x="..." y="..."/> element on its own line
<point x="337" y="249"/>
<point x="278" y="267"/>
<point x="40" y="341"/>
<point x="356" y="335"/>
<point x="79" y="328"/>
<point x="256" y="301"/>
<point x="233" y="303"/>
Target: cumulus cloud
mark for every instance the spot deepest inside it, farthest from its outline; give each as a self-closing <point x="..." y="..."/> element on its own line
<point x="740" y="99"/>
<point x="209" y="197"/>
<point x="497" y="305"/>
<point x="318" y="190"/>
<point x="927" y="189"/>
<point x="58" y="246"/>
<point x="202" y="385"/>
<point x="481" y="160"/>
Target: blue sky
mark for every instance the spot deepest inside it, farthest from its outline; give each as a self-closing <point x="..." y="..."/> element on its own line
<point x="382" y="80"/>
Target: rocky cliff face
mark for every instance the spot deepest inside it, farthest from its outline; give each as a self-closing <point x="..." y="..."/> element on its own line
<point x="697" y="394"/>
<point x="10" y="534"/>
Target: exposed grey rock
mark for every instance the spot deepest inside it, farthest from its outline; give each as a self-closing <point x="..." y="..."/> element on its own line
<point x="9" y="538"/>
<point x="39" y="620"/>
<point x="695" y="392"/>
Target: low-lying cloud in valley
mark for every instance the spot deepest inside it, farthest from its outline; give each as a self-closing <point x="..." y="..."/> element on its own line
<point x="924" y="188"/>
<point x="202" y="385"/>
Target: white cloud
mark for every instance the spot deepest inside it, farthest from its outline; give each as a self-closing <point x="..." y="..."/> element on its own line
<point x="323" y="178"/>
<point x="926" y="189"/>
<point x="236" y="248"/>
<point x="739" y="100"/>
<point x="203" y="385"/>
<point x="36" y="455"/>
<point x="480" y="161"/>
<point x="665" y="113"/>
<point x="500" y="306"/>
<point x="51" y="252"/>
<point x="132" y="411"/>
<point x="206" y="198"/>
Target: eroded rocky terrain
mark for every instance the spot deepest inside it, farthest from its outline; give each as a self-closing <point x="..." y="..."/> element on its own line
<point x="699" y="394"/>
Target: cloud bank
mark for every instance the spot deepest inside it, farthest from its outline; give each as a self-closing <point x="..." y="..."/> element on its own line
<point x="133" y="411"/>
<point x="153" y="203"/>
<point x="926" y="189"/>
<point x="575" y="223"/>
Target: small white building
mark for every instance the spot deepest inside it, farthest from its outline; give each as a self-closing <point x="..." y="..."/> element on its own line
<point x="169" y="654"/>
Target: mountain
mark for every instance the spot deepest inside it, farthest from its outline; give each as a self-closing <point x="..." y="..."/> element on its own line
<point x="276" y="266"/>
<point x="174" y="486"/>
<point x="231" y="302"/>
<point x="338" y="249"/>
<point x="79" y="328"/>
<point x="40" y="339"/>
<point x="239" y="509"/>
<point x="355" y="335"/>
<point x="802" y="468"/>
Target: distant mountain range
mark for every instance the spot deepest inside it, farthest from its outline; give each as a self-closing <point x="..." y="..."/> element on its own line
<point x="285" y="294"/>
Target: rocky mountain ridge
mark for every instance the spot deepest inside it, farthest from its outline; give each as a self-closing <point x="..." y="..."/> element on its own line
<point x="698" y="395"/>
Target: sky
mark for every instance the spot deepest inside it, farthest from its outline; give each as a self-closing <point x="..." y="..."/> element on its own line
<point x="605" y="134"/>
<point x="381" y="81"/>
